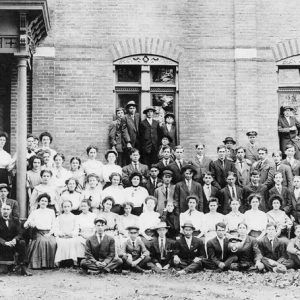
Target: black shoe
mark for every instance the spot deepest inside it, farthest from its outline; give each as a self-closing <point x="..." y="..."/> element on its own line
<point x="25" y="272"/>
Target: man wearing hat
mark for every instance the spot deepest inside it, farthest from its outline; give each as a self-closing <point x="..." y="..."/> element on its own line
<point x="4" y="191"/>
<point x="165" y="192"/>
<point x="119" y="138"/>
<point x="134" y="253"/>
<point x="229" y="142"/>
<point x="150" y="133"/>
<point x="133" y="122"/>
<point x="251" y="148"/>
<point x="189" y="251"/>
<point x="161" y="249"/>
<point x="169" y="129"/>
<point x="100" y="252"/>
<point x="288" y="129"/>
<point x="187" y="187"/>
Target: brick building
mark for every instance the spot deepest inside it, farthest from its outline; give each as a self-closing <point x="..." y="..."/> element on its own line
<point x="221" y="66"/>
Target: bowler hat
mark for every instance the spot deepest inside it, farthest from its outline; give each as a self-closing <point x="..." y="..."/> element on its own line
<point x="4" y="186"/>
<point x="251" y="132"/>
<point x="169" y="114"/>
<point x="148" y="108"/>
<point x="188" y="167"/>
<point x="133" y="227"/>
<point x="130" y="103"/>
<point x="161" y="225"/>
<point x="229" y="139"/>
<point x="100" y="219"/>
<point x="188" y="224"/>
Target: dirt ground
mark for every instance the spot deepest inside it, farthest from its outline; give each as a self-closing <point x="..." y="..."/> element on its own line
<point x="72" y="284"/>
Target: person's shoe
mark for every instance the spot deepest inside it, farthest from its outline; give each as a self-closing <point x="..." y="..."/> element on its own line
<point x="179" y="273"/>
<point x="92" y="272"/>
<point x="279" y="270"/>
<point x="25" y="272"/>
<point x="125" y="272"/>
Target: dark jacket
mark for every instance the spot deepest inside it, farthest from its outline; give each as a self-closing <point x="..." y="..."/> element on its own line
<point x="14" y="206"/>
<point x="249" y="252"/>
<point x="286" y="196"/>
<point x="214" y="251"/>
<point x="214" y="192"/>
<point x="150" y="186"/>
<point x="129" y="169"/>
<point x="176" y="171"/>
<point x="250" y="189"/>
<point x="149" y="136"/>
<point x="155" y="253"/>
<point x="118" y="135"/>
<point x="172" y="220"/>
<point x="278" y="251"/>
<point x="266" y="171"/>
<point x="171" y="134"/>
<point x="133" y="129"/>
<point x="225" y="198"/>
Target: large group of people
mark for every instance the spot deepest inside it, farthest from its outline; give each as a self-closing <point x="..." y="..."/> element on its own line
<point x="150" y="209"/>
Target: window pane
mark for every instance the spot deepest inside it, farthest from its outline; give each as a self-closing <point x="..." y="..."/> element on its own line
<point x="163" y="102"/>
<point x="128" y="73"/>
<point x="123" y="99"/>
<point x="163" y="74"/>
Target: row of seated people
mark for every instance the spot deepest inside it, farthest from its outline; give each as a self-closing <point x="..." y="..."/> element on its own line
<point x="52" y="240"/>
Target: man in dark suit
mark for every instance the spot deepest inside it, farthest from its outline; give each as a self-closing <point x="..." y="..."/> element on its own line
<point x="201" y="162"/>
<point x="134" y="166"/>
<point x="150" y="134"/>
<point x="119" y="138"/>
<point x="231" y="191"/>
<point x="188" y="187"/>
<point x="265" y="167"/>
<point x="178" y="163"/>
<point x="161" y="249"/>
<point x="291" y="161"/>
<point x="11" y="241"/>
<point x="100" y="253"/>
<point x="243" y="167"/>
<point x="219" y="255"/>
<point x="166" y="160"/>
<point x="256" y="188"/>
<point x="220" y="167"/>
<point x="295" y="194"/>
<point x="134" y="252"/>
<point x="153" y="182"/>
<point x="4" y="191"/>
<point x="189" y="252"/>
<point x="273" y="250"/>
<point x="208" y="190"/>
<point x="285" y="170"/>
<point x="169" y="129"/>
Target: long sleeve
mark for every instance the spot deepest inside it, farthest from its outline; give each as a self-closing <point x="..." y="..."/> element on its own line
<point x="291" y="248"/>
<point x="212" y="254"/>
<point x="112" y="251"/>
<point x="112" y="135"/>
<point x="88" y="251"/>
<point x="256" y="250"/>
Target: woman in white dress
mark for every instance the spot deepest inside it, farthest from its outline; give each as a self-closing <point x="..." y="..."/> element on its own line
<point x="77" y="172"/>
<point x="127" y="219"/>
<point x="33" y="175"/>
<point x="45" y="187"/>
<point x="86" y="226"/>
<point x="192" y="215"/>
<point x="110" y="167"/>
<point x="66" y="232"/>
<point x="136" y="193"/>
<point x="42" y="246"/>
<point x="116" y="191"/>
<point x="234" y="218"/>
<point x="92" y="165"/>
<point x="6" y="163"/>
<point x="256" y="219"/>
<point x="92" y="192"/>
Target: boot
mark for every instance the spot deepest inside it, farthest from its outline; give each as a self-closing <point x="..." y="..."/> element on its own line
<point x="24" y="271"/>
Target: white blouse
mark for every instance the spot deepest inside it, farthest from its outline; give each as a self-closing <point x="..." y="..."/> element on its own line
<point x="42" y="219"/>
<point x="232" y="220"/>
<point x="74" y="197"/>
<point x="108" y="169"/>
<point x="256" y="220"/>
<point x="136" y="195"/>
<point x="94" y="195"/>
<point x="148" y="219"/>
<point x="86" y="223"/>
<point x="5" y="159"/>
<point x="93" y="166"/>
<point x="117" y="192"/>
<point x="196" y="217"/>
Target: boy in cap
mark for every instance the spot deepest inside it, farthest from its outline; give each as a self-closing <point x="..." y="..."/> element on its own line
<point x="189" y="251"/>
<point x="134" y="253"/>
<point x="252" y="148"/>
<point x="161" y="249"/>
<point x="150" y="133"/>
<point x="153" y="182"/>
<point x="4" y="191"/>
<point x="188" y="187"/>
<point x="119" y="138"/>
<point x="169" y="128"/>
<point x="100" y="252"/>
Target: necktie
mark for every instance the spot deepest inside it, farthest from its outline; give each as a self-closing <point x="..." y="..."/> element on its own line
<point x="6" y="222"/>
<point x="135" y="167"/>
<point x="167" y="192"/>
<point x="154" y="183"/>
<point x="259" y="165"/>
<point x="162" y="248"/>
<point x="133" y="244"/>
<point x="222" y="247"/>
<point x="189" y="185"/>
<point x="277" y="167"/>
<point x="241" y="165"/>
<point x="223" y="164"/>
<point x="233" y="192"/>
<point x="179" y="164"/>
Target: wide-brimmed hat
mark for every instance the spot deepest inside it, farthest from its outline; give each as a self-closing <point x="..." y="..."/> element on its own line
<point x="188" y="167"/>
<point x="160" y="225"/>
<point x="4" y="186"/>
<point x="188" y="224"/>
<point x="229" y="139"/>
<point x="147" y="109"/>
<point x="251" y="132"/>
<point x="100" y="219"/>
<point x="130" y="103"/>
<point x="169" y="114"/>
<point x="133" y="227"/>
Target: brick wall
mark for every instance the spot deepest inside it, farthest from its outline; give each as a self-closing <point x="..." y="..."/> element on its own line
<point x="220" y="94"/>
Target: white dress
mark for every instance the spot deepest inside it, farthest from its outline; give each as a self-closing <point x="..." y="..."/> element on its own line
<point x="148" y="219"/>
<point x="117" y="192"/>
<point x="210" y="221"/>
<point x="67" y="248"/>
<point x="93" y="166"/>
<point x="59" y="177"/>
<point x="74" y="197"/>
<point x="95" y="197"/>
<point x="136" y="195"/>
<point x="196" y="217"/>
<point x="108" y="169"/>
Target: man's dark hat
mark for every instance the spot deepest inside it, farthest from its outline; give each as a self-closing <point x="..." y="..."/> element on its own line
<point x="229" y="139"/>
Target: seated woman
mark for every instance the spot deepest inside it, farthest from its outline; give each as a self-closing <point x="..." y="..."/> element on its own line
<point x="148" y="219"/>
<point x="234" y="218"/>
<point x="256" y="219"/>
<point x="293" y="248"/>
<point x="66" y="232"/>
<point x="60" y="174"/>
<point x="72" y="194"/>
<point x="33" y="175"/>
<point x="5" y="159"/>
<point x="192" y="215"/>
<point x="46" y="139"/>
<point x="136" y="193"/>
<point x="92" y="165"/>
<point x="111" y="218"/>
<point x="127" y="219"/>
<point x="211" y="219"/>
<point x="42" y="246"/>
<point x="86" y="227"/>
<point x="92" y="192"/>
<point x="246" y="250"/>
<point x="77" y="172"/>
<point x="45" y="187"/>
<point x="116" y="191"/>
<point x="110" y="167"/>
<point x="279" y="218"/>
